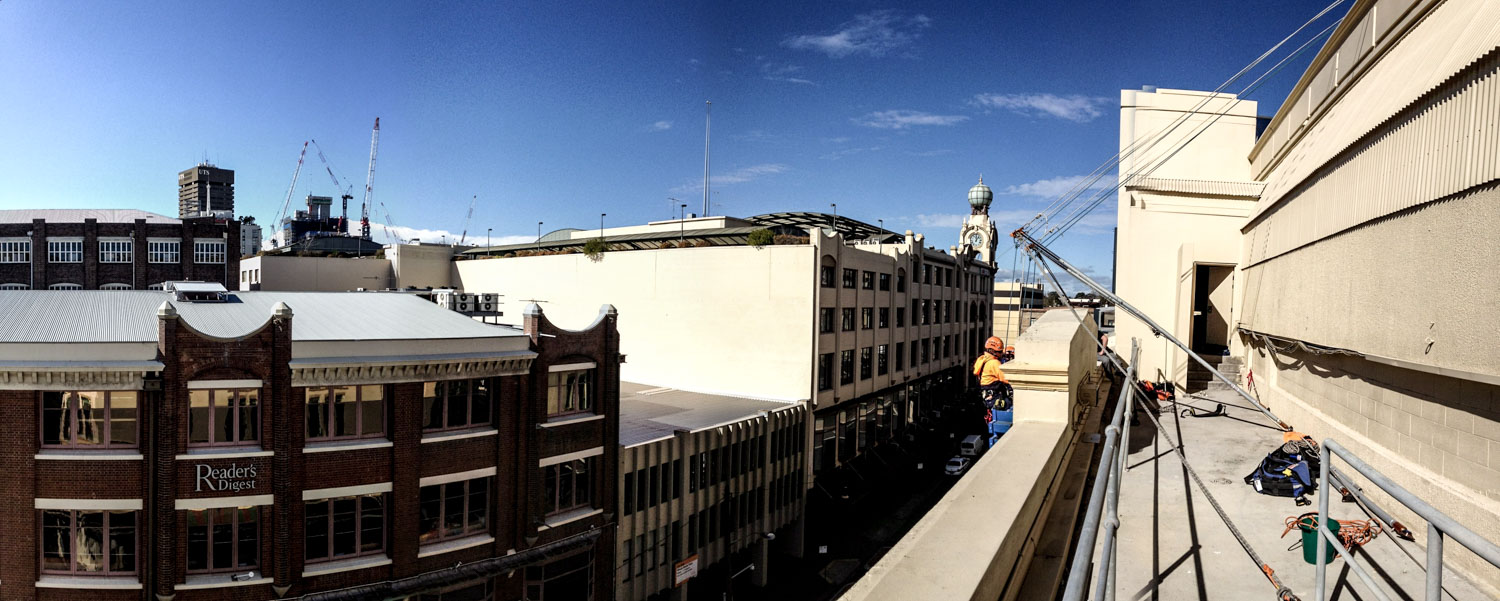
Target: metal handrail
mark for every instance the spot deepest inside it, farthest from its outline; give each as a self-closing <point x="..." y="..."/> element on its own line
<point x="1438" y="526"/>
<point x="1106" y="487"/>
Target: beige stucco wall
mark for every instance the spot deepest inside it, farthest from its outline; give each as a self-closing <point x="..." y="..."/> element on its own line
<point x="324" y="274"/>
<point x="1163" y="234"/>
<point x="422" y="266"/>
<point x="732" y="319"/>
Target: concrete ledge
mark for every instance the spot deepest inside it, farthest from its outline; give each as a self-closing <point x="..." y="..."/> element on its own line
<point x="967" y="546"/>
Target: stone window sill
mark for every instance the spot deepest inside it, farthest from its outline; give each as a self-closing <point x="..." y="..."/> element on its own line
<point x="458" y="435"/>
<point x="357" y="444"/>
<point x="223" y="453"/>
<point x="449" y="546"/>
<point x="569" y="517"/>
<point x="89" y="455"/>
<point x="567" y="420"/>
<point x="345" y="565"/>
<point x="202" y="581"/>
<point x="121" y="583"/>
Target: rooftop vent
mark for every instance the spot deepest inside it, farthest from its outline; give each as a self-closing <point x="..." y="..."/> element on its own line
<point x="197" y="292"/>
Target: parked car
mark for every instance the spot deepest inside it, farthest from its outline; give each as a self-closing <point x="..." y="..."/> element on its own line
<point x="957" y="466"/>
<point x="973" y="445"/>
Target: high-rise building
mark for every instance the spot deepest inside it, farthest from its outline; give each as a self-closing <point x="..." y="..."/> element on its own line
<point x="205" y="189"/>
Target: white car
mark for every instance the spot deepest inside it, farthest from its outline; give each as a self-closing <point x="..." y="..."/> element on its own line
<point x="957" y="466"/>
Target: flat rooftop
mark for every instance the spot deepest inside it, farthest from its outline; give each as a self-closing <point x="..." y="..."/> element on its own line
<point x="78" y="215"/>
<point x="649" y="413"/>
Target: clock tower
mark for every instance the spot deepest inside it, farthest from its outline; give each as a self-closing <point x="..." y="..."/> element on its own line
<point x="978" y="233"/>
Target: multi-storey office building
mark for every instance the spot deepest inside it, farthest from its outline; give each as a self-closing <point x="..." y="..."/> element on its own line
<point x="865" y="323"/>
<point x="199" y="444"/>
<point x="204" y="190"/>
<point x="1016" y="306"/>
<point x="113" y="249"/>
<point x="708" y="480"/>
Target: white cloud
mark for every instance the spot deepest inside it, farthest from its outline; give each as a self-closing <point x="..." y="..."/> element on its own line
<point x="737" y="176"/>
<point x="940" y="220"/>
<point x="839" y="154"/>
<point x="874" y="34"/>
<point x="660" y="126"/>
<point x="902" y="119"/>
<point x="932" y="153"/>
<point x="1073" y="107"/>
<point x="382" y="234"/>
<point x="1058" y="186"/>
<point x="783" y="73"/>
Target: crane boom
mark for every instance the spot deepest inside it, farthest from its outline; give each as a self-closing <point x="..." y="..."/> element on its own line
<point x="364" y="210"/>
<point x="468" y="218"/>
<point x="292" y="188"/>
<point x="344" y="193"/>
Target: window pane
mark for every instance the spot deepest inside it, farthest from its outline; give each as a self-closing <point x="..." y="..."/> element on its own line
<point x="549" y="489"/>
<point x="345" y="406"/>
<point x="122" y="418"/>
<point x="315" y="529"/>
<point x="345" y="523"/>
<point x="453" y="508"/>
<point x="565" y="485"/>
<point x="372" y="403"/>
<point x="317" y="412"/>
<point x="55" y="421"/>
<point x="432" y="410"/>
<point x="554" y="393"/>
<point x="199" y="418"/>
<point x="457" y="399"/>
<point x="372" y="523"/>
<point x="90" y="541"/>
<point x="431" y="512"/>
<point x="479" y="507"/>
<point x="90" y="418"/>
<point x="122" y="541"/>
<point x="197" y="551"/>
<point x="56" y="540"/>
<point x="482" y="402"/>
<point x="583" y="483"/>
<point x="222" y="544"/>
<point x="249" y="409"/>
<point x="249" y="537"/>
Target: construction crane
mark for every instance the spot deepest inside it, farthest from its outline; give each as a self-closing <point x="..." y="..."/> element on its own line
<point x="364" y="210"/>
<point x="467" y="218"/>
<point x="389" y="226"/>
<point x="292" y="188"/>
<point x="346" y="192"/>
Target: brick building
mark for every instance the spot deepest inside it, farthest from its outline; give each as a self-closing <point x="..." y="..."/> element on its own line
<point x="113" y="249"/>
<point x="197" y="444"/>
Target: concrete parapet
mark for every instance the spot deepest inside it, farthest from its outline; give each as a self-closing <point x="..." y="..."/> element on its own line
<point x="977" y="542"/>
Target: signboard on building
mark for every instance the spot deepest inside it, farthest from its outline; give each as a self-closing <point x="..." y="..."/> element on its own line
<point x="685" y="569"/>
<point x="234" y="478"/>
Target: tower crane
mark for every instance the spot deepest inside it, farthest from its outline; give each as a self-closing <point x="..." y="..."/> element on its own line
<point x="468" y="218"/>
<point x="292" y="188"/>
<point x="346" y="192"/>
<point x="364" y="210"/>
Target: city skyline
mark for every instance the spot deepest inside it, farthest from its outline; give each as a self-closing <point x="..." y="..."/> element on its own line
<point x="556" y="114"/>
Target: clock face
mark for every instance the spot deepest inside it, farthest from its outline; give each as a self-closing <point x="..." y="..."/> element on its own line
<point x="976" y="240"/>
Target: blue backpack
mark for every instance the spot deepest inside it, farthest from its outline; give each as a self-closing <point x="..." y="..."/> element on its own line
<point x="1287" y="472"/>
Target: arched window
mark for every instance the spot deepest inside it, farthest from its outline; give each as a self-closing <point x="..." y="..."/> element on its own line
<point x="116" y="287"/>
<point x="157" y="286"/>
<point x="65" y="287"/>
<point x="900" y="280"/>
<point x="14" y="286"/>
<point x="828" y="272"/>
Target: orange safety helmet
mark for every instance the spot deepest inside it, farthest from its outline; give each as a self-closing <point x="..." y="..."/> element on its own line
<point x="994" y="344"/>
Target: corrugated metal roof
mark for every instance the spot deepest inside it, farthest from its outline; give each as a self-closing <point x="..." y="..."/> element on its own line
<point x="1245" y="189"/>
<point x="78" y="215"/>
<point x="44" y="316"/>
<point x="648" y="413"/>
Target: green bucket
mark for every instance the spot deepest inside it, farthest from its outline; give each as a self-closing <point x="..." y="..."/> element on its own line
<point x="1308" y="525"/>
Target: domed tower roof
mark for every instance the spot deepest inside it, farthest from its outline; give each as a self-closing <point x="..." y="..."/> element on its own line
<point x="980" y="197"/>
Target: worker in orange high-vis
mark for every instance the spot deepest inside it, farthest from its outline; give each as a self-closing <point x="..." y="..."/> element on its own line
<point x="993" y="387"/>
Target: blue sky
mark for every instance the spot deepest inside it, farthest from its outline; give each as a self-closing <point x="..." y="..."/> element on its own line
<point x="556" y="112"/>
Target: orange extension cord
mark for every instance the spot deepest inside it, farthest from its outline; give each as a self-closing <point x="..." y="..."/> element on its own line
<point x="1353" y="533"/>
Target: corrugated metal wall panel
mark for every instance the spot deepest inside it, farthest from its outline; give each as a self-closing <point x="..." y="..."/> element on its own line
<point x="1326" y="184"/>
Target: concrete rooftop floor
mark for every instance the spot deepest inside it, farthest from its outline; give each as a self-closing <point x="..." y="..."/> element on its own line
<point x="1174" y="546"/>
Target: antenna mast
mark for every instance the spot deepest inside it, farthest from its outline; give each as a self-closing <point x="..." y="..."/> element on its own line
<point x="707" y="124"/>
